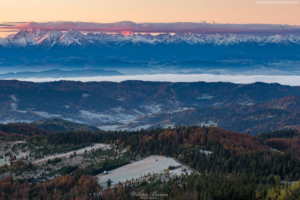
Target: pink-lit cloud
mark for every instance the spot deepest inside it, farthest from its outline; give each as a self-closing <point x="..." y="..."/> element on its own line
<point x="202" y="27"/>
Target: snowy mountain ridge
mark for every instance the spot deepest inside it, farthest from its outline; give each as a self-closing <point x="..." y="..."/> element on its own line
<point x="39" y="37"/>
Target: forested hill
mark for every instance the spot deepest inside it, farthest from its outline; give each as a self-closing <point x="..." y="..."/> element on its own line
<point x="60" y="125"/>
<point x="163" y="141"/>
<point x="246" y="108"/>
<point x="237" y="166"/>
<point x="252" y="118"/>
<point x="22" y="129"/>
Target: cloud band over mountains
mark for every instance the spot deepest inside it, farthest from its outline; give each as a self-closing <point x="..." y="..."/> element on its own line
<point x="239" y="79"/>
<point x="202" y="27"/>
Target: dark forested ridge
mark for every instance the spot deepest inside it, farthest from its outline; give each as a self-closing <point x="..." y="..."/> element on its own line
<point x="290" y="133"/>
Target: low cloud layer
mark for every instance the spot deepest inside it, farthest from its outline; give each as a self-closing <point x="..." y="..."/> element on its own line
<point x="202" y="27"/>
<point x="284" y="80"/>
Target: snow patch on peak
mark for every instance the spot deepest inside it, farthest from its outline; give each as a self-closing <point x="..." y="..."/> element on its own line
<point x="4" y="42"/>
<point x="127" y="33"/>
<point x="42" y="39"/>
<point x="65" y="40"/>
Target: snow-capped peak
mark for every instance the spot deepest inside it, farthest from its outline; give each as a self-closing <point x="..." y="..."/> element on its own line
<point x="73" y="33"/>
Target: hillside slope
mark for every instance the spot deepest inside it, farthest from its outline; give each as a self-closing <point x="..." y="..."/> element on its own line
<point x="22" y="129"/>
<point x="60" y="125"/>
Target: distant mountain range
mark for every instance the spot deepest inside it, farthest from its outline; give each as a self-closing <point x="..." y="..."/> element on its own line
<point x="38" y="37"/>
<point x="71" y="47"/>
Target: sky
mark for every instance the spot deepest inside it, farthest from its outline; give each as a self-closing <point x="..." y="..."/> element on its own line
<point x="154" y="11"/>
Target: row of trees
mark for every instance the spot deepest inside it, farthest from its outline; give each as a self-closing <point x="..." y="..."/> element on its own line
<point x="64" y="187"/>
